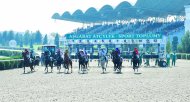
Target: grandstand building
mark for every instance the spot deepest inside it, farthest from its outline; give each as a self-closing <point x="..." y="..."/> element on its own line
<point x="127" y="26"/>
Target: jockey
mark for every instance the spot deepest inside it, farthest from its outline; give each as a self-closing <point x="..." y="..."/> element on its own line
<point x="136" y="50"/>
<point x="82" y="53"/>
<point x="66" y="54"/>
<point x="32" y="54"/>
<point x="135" y="53"/>
<point x="59" y="53"/>
<point x="102" y="52"/>
<point x="26" y="52"/>
<point x="47" y="52"/>
<point x="118" y="51"/>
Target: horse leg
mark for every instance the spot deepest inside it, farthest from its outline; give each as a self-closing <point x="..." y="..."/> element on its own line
<point x="71" y="67"/>
<point x="107" y="63"/>
<point x="31" y="67"/>
<point x="58" y="67"/>
<point x="68" y="68"/>
<point x="114" y="67"/>
<point x="47" y="67"/>
<point x="134" y="65"/>
<point x="79" y="67"/>
<point x="24" y="68"/>
<point x="98" y="62"/>
<point x="86" y="65"/>
<point x="106" y="66"/>
<point x="51" y="66"/>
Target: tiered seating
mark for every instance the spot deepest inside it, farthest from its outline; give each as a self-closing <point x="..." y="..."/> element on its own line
<point x="132" y="27"/>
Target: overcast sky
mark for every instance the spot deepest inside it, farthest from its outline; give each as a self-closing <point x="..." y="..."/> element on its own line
<point x="22" y="15"/>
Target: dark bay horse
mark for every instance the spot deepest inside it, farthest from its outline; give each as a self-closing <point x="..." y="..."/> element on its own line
<point x="59" y="61"/>
<point x="82" y="63"/>
<point x="28" y="62"/>
<point x="117" y="61"/>
<point x="136" y="61"/>
<point x="66" y="62"/>
<point x="48" y="61"/>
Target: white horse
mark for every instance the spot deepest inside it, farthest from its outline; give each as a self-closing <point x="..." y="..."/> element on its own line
<point x="103" y="61"/>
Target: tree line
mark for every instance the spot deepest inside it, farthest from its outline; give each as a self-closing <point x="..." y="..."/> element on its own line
<point x="27" y="38"/>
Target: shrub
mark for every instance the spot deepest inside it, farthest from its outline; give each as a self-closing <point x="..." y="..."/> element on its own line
<point x="188" y="56"/>
<point x="183" y="56"/>
<point x="178" y="56"/>
<point x="10" y="53"/>
<point x="10" y="64"/>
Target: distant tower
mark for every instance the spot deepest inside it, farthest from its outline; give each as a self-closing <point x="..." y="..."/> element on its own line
<point x="187" y="21"/>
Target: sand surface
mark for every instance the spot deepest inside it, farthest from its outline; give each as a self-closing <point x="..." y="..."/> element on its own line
<point x="152" y="84"/>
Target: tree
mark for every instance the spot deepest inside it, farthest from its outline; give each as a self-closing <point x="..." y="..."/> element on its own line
<point x="186" y="42"/>
<point x="45" y="40"/>
<point x="168" y="46"/>
<point x="179" y="48"/>
<point x="56" y="41"/>
<point x="10" y="35"/>
<point x="31" y="44"/>
<point x="174" y="43"/>
<point x="21" y="44"/>
<point x="21" y="40"/>
<point x="26" y="37"/>
<point x="4" y="40"/>
<point x="38" y="37"/>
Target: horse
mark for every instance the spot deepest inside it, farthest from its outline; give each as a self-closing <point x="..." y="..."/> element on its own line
<point x="48" y="62"/>
<point x="86" y="61"/>
<point x="136" y="61"/>
<point x="28" y="62"/>
<point x="103" y="59"/>
<point x="117" y="61"/>
<point x="59" y="61"/>
<point x="66" y="62"/>
<point x="82" y="65"/>
<point x="99" y="61"/>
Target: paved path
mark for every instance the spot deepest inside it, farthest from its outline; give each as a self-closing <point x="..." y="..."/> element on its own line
<point x="154" y="84"/>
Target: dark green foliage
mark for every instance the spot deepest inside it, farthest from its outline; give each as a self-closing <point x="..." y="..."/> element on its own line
<point x="31" y="44"/>
<point x="174" y="43"/>
<point x="186" y="43"/>
<point x="10" y="53"/>
<point x="4" y="65"/>
<point x="168" y="46"/>
<point x="178" y="56"/>
<point x="45" y="40"/>
<point x="57" y="40"/>
<point x="38" y="37"/>
<point x="188" y="56"/>
<point x="26" y="38"/>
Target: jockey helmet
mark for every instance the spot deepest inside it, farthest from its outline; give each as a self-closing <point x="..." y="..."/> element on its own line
<point x="116" y="49"/>
<point x="25" y="50"/>
<point x="66" y="51"/>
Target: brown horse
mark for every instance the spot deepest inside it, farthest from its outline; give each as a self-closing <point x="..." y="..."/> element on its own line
<point x="28" y="62"/>
<point x="66" y="62"/>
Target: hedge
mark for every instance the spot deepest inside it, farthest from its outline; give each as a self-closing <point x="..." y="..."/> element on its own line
<point x="9" y="53"/>
<point x="10" y="64"/>
<point x="183" y="56"/>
